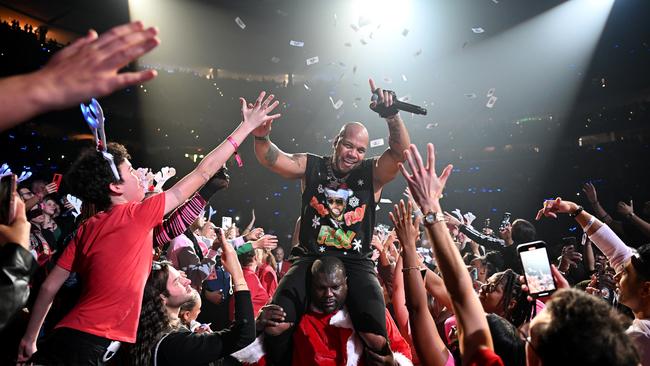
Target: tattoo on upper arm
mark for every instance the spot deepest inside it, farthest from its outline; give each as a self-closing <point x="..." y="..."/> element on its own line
<point x="296" y="159"/>
<point x="271" y="155"/>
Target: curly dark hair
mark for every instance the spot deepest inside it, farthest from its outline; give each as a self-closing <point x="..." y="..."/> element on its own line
<point x="90" y="175"/>
<point x="521" y="312"/>
<point x="583" y="330"/>
<point x="154" y="320"/>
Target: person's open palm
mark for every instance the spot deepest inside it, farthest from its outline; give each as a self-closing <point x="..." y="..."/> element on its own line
<point x="425" y="185"/>
<point x="255" y="115"/>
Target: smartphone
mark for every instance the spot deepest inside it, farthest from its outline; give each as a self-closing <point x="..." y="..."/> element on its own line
<point x="505" y="221"/>
<point x="57" y="180"/>
<point x="537" y="268"/>
<point x="7" y="199"/>
<point x="226" y="222"/>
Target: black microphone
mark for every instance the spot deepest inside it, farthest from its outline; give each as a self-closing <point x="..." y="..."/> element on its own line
<point x="402" y="106"/>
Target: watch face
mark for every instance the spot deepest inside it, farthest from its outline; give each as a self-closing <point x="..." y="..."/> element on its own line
<point x="430" y="217"/>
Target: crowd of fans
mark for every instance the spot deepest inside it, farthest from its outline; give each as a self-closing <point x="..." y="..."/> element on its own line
<point x="184" y="291"/>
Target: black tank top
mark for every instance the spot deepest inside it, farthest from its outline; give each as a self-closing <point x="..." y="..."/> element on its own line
<point x="337" y="215"/>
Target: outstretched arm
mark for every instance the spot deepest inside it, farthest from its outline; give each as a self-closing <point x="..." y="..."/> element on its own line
<point x="254" y="116"/>
<point x="426" y="187"/>
<point x="399" y="140"/>
<point x="87" y="68"/>
<point x="628" y="212"/>
<point x="592" y="196"/>
<point x="430" y="348"/>
<point x="290" y="166"/>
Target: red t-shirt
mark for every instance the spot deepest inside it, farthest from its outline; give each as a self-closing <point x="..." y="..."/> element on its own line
<point x="268" y="278"/>
<point x="485" y="357"/>
<point x="112" y="253"/>
<point x="259" y="296"/>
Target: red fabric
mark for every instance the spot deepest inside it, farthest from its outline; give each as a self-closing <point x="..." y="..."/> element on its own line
<point x="284" y="268"/>
<point x="316" y="342"/>
<point x="268" y="278"/>
<point x="258" y="294"/>
<point x="485" y="357"/>
<point x="112" y="252"/>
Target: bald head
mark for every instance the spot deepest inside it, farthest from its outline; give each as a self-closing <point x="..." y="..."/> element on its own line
<point x="352" y="129"/>
<point x="329" y="287"/>
<point x="350" y="147"/>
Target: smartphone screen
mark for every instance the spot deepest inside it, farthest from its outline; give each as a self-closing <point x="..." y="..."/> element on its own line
<point x="226" y="222"/>
<point x="537" y="269"/>
<point x="7" y="204"/>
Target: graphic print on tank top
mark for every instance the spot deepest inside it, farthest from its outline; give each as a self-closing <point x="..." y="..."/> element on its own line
<point x="337" y="213"/>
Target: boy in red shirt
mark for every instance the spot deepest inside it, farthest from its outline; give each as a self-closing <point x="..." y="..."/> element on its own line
<point x="112" y="250"/>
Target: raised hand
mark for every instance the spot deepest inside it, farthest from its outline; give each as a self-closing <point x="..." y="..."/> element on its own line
<point x="269" y="242"/>
<point x="570" y="257"/>
<point x="255" y="234"/>
<point x="553" y="207"/>
<point x="17" y="231"/>
<point x="407" y="229"/>
<point x="425" y="185"/>
<point x="590" y="192"/>
<point x="255" y="115"/>
<point x="263" y="130"/>
<point x="89" y="66"/>
<point x="382" y="101"/>
<point x="625" y="209"/>
<point x="452" y="220"/>
<point x="228" y="256"/>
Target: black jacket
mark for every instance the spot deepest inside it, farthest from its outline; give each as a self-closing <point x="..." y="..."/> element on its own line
<point x="17" y="265"/>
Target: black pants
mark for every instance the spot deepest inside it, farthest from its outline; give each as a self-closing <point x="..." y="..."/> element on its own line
<point x="365" y="302"/>
<point x="66" y="346"/>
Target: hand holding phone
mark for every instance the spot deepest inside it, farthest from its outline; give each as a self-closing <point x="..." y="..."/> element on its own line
<point x="537" y="268"/>
<point x="57" y="180"/>
<point x="18" y="230"/>
<point x="7" y="199"/>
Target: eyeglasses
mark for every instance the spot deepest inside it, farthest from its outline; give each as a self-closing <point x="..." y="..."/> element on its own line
<point x="338" y="201"/>
<point x="489" y="287"/>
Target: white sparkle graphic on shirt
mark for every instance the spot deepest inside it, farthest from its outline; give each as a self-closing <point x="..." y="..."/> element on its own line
<point x="356" y="245"/>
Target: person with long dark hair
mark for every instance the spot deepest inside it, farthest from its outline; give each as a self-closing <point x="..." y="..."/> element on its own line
<point x="163" y="340"/>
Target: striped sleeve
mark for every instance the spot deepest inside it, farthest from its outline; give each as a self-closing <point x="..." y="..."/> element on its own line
<point x="179" y="220"/>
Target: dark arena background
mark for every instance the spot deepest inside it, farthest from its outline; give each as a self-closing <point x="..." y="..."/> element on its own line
<point x="571" y="81"/>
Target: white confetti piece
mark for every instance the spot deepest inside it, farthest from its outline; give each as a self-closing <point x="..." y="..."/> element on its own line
<point x="312" y="60"/>
<point x="491" y="101"/>
<point x="275" y="59"/>
<point x="377" y="143"/>
<point x="490" y="92"/>
<point x="240" y="23"/>
<point x="338" y="104"/>
<point x="296" y="43"/>
<point x="478" y="30"/>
